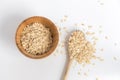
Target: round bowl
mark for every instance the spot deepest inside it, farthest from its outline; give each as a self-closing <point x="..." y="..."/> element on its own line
<point x="44" y="21"/>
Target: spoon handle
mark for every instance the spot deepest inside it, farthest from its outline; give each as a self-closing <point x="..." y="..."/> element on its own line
<point x="68" y="68"/>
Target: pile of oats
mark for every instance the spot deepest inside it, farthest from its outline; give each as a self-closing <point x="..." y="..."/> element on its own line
<point x="36" y="38"/>
<point x="79" y="48"/>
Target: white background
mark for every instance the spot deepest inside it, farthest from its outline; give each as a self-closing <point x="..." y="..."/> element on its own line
<point x="15" y="66"/>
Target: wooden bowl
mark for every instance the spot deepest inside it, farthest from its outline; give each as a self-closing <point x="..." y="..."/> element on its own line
<point x="44" y="21"/>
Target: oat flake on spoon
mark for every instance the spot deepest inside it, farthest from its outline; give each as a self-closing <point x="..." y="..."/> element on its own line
<point x="79" y="49"/>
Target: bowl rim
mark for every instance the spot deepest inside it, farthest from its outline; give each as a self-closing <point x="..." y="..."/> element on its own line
<point x="17" y="38"/>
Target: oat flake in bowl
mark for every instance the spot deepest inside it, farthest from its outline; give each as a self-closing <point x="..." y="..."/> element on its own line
<point x="37" y="37"/>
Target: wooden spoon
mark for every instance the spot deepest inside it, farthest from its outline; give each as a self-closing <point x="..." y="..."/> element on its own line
<point x="70" y="60"/>
<point x="72" y="50"/>
<point x="68" y="68"/>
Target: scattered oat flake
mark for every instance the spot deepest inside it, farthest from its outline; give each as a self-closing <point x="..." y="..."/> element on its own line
<point x="98" y="1"/>
<point x="59" y="29"/>
<point x="85" y="74"/>
<point x="94" y="38"/>
<point x="76" y="24"/>
<point x="83" y="65"/>
<point x="62" y="45"/>
<point x="115" y="44"/>
<point x="101" y="49"/>
<point x="89" y="26"/>
<point x="97" y="78"/>
<point x="82" y="24"/>
<point x="101" y="3"/>
<point x="90" y="33"/>
<point x="115" y="58"/>
<point x="65" y="16"/>
<point x="106" y="37"/>
<point x="61" y="20"/>
<point x="78" y="73"/>
<point x="64" y="19"/>
<point x="99" y="58"/>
